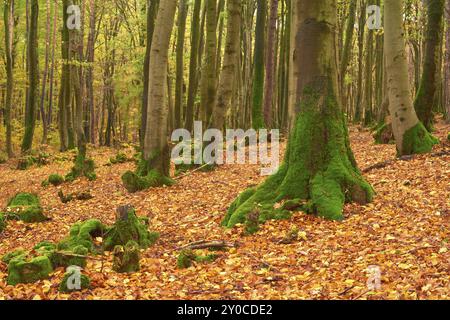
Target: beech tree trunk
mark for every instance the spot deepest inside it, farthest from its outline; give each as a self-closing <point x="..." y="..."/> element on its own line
<point x="319" y="173"/>
<point x="410" y="134"/>
<point x="9" y="36"/>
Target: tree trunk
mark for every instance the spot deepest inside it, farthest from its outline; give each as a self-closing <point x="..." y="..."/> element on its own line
<point x="193" y="73"/>
<point x="90" y="58"/>
<point x="152" y="10"/>
<point x="44" y="80"/>
<point x="270" y="64"/>
<point x="319" y="172"/>
<point x="209" y="75"/>
<point x="179" y="86"/>
<point x="156" y="149"/>
<point x="9" y="36"/>
<point x="410" y="134"/>
<point x="230" y="63"/>
<point x="258" y="66"/>
<point x="33" y="78"/>
<point x="427" y="88"/>
<point x="447" y="64"/>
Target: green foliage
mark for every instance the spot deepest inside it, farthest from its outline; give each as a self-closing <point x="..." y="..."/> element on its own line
<point x="85" y="282"/>
<point x="53" y="179"/>
<point x="119" y="158"/>
<point x="25" y="207"/>
<point x="418" y="140"/>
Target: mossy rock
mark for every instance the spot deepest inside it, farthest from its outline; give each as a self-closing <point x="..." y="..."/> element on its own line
<point x="26" y="207"/>
<point x="187" y="257"/>
<point x="128" y="227"/>
<point x="75" y="257"/>
<point x="22" y="269"/>
<point x="2" y="222"/>
<point x="70" y="278"/>
<point x="126" y="259"/>
<point x="82" y="234"/>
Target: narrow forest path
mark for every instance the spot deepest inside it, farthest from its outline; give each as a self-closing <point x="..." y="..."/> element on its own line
<point x="405" y="232"/>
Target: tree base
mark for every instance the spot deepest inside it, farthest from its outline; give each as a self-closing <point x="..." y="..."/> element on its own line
<point x="319" y="170"/>
<point x="418" y="140"/>
<point x="82" y="167"/>
<point x="384" y="134"/>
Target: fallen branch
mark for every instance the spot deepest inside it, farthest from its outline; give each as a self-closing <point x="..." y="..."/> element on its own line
<point x="208" y="245"/>
<point x="68" y="254"/>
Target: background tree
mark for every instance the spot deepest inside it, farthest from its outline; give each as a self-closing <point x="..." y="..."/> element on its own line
<point x="9" y="36"/>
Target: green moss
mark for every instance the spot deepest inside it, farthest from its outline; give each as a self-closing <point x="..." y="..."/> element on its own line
<point x="129" y="229"/>
<point x="74" y="257"/>
<point x="15" y="254"/>
<point x="22" y="270"/>
<point x="26" y="207"/>
<point x="56" y="179"/>
<point x="83" y="234"/>
<point x="2" y="222"/>
<point x="126" y="259"/>
<point x="187" y="257"/>
<point x="82" y="167"/>
<point x="383" y="134"/>
<point x="134" y="182"/>
<point x="417" y="140"/>
<point x="26" y="162"/>
<point x="319" y="168"/>
<point x="85" y="282"/>
<point x="119" y="158"/>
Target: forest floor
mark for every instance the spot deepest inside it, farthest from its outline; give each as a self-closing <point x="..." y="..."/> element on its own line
<point x="405" y="232"/>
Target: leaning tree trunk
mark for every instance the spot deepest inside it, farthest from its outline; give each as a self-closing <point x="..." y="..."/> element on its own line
<point x="230" y="63"/>
<point x="410" y="134"/>
<point x="428" y="83"/>
<point x="9" y="36"/>
<point x="33" y="78"/>
<point x="319" y="171"/>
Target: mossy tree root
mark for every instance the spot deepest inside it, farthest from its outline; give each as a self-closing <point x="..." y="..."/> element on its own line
<point x="418" y="140"/>
<point x="319" y="168"/>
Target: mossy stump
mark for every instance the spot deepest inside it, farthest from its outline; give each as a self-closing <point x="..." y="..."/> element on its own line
<point x="73" y="280"/>
<point x="25" y="207"/>
<point x="75" y="257"/>
<point x="126" y="259"/>
<point x="22" y="269"/>
<point x="319" y="167"/>
<point x="83" y="234"/>
<point x="128" y="227"/>
<point x="82" y="167"/>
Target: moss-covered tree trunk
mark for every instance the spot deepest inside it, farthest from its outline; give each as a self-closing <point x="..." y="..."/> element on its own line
<point x="258" y="66"/>
<point x="230" y="63"/>
<point x="410" y="134"/>
<point x="156" y="149"/>
<point x="319" y="171"/>
<point x="428" y="82"/>
<point x="33" y="78"/>
<point x="9" y="37"/>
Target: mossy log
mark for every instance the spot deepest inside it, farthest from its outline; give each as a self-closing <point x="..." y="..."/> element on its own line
<point x="25" y="207"/>
<point x="75" y="257"/>
<point x="126" y="259"/>
<point x="128" y="227"/>
<point x="81" y="196"/>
